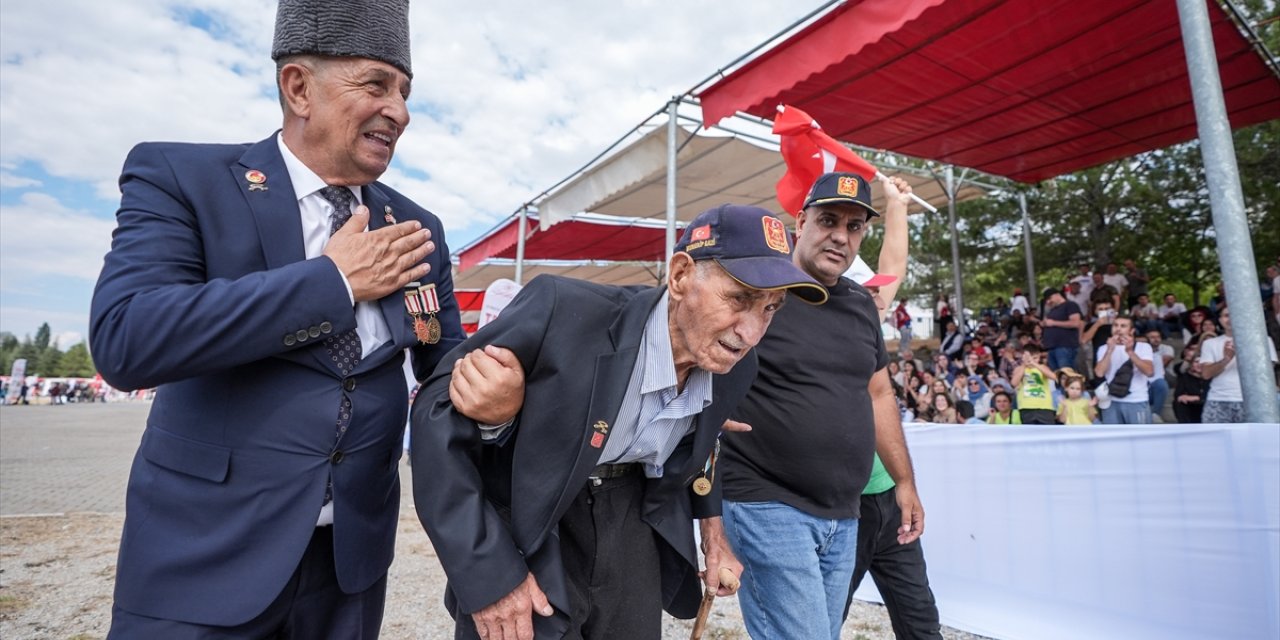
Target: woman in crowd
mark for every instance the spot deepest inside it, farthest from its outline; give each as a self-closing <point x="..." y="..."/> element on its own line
<point x="1190" y="389"/>
<point x="1002" y="411"/>
<point x="977" y="393"/>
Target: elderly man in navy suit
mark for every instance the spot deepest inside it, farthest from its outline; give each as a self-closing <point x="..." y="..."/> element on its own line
<point x="270" y="291"/>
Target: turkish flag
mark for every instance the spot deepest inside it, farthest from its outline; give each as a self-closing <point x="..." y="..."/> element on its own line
<point x="809" y="153"/>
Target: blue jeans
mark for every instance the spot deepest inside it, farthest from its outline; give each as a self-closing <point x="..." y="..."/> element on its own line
<point x="1127" y="413"/>
<point x="797" y="569"/>
<point x="1060" y="357"/>
<point x="1158" y="392"/>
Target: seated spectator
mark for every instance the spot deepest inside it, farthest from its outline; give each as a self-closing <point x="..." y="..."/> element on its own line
<point x="944" y="410"/>
<point x="1171" y="315"/>
<point x="1192" y="323"/>
<point x="1103" y="291"/>
<point x="1144" y="314"/>
<point x="977" y="395"/>
<point x="952" y="340"/>
<point x="1162" y="355"/>
<point x="1190" y="389"/>
<point x="1002" y="411"/>
<point x="1096" y="333"/>
<point x="944" y="368"/>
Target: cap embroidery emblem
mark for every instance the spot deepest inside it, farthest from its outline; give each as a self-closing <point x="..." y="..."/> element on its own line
<point x="775" y="234"/>
<point x="847" y="186"/>
<point x="701" y="233"/>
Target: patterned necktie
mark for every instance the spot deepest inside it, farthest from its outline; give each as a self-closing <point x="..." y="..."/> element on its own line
<point x="344" y="349"/>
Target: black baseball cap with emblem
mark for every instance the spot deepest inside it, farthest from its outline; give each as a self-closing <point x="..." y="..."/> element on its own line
<point x="836" y="188"/>
<point x="753" y="246"/>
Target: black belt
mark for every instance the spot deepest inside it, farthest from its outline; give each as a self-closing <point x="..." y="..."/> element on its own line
<point x="612" y="471"/>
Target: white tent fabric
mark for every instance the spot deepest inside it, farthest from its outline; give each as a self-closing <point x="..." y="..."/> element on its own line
<point x="621" y="273"/>
<point x="713" y="168"/>
<point x="1161" y="531"/>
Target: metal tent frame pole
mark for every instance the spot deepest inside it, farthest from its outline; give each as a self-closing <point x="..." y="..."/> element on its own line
<point x="1032" y="295"/>
<point x="672" y="124"/>
<point x="522" y="223"/>
<point x="958" y="314"/>
<point x="1235" y="247"/>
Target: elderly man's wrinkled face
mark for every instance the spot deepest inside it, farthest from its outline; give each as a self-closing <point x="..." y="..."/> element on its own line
<point x="827" y="239"/>
<point x="357" y="113"/>
<point x="715" y="320"/>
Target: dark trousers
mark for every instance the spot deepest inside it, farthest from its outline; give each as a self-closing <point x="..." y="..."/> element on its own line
<point x="312" y="606"/>
<point x="1038" y="416"/>
<point x="611" y="562"/>
<point x="897" y="569"/>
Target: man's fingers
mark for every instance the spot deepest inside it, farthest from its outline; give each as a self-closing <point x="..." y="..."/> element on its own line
<point x="735" y="426"/>
<point x="538" y="598"/>
<point x="504" y="356"/>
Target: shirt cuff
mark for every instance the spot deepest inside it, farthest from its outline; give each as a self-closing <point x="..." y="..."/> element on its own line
<point x="350" y="294"/>
<point x="494" y="431"/>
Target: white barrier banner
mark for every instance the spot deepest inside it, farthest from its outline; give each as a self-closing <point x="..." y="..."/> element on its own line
<point x="1161" y="531"/>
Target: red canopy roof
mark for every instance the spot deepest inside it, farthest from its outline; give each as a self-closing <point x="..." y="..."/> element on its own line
<point x="1024" y="89"/>
<point x="605" y="238"/>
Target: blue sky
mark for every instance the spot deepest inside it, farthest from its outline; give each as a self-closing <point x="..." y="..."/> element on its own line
<point x="507" y="100"/>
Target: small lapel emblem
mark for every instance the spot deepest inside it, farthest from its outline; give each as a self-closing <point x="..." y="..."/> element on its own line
<point x="257" y="180"/>
<point x="601" y="426"/>
<point x="597" y="440"/>
<point x="388" y="217"/>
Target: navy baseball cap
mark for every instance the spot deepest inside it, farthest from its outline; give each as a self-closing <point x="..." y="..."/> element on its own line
<point x="753" y="246"/>
<point x="835" y="188"/>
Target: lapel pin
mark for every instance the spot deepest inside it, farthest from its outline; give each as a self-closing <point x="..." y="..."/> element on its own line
<point x="257" y="180"/>
<point x="389" y="218"/>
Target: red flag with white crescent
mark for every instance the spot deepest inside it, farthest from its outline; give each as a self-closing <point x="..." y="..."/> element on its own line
<point x="809" y="152"/>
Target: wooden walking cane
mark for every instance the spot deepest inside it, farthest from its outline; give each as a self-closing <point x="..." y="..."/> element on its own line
<point x="709" y="595"/>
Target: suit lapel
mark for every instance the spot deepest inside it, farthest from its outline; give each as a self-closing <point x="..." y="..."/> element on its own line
<point x="275" y="208"/>
<point x="392" y="305"/>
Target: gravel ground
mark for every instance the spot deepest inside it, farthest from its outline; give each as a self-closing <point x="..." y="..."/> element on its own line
<point x="68" y="465"/>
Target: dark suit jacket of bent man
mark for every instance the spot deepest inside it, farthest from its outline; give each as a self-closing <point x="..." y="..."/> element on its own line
<point x="207" y="294"/>
<point x="491" y="510"/>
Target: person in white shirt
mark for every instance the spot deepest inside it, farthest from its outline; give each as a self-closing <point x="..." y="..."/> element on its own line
<point x="1116" y="279"/>
<point x="1171" y="314"/>
<point x="1019" y="302"/>
<point x="1128" y="405"/>
<point x="1225" y="402"/>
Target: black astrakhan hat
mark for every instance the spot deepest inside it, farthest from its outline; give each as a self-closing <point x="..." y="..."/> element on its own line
<point x="374" y="29"/>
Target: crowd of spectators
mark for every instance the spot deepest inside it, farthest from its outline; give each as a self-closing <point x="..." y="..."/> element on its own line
<point x="1018" y="363"/>
<point x="60" y="391"/>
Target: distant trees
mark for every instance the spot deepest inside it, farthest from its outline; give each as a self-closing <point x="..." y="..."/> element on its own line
<point x="43" y="356"/>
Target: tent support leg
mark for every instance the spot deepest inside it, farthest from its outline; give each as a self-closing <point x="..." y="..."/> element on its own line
<point x="520" y="234"/>
<point x="958" y="312"/>
<point x="1235" y="246"/>
<point x="672" y="109"/>
<point x="1032" y="291"/>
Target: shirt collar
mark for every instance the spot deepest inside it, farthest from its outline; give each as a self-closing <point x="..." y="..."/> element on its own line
<point x="305" y="181"/>
<point x="659" y="363"/>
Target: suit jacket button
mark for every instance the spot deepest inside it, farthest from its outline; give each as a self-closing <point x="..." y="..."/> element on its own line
<point x="349" y="384"/>
<point x="289" y="340"/>
<point x="336" y="457"/>
<point x="314" y="331"/>
<point x="302" y="335"/>
<point x="326" y="327"/>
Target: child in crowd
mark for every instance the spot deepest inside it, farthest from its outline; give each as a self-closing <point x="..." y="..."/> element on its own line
<point x="1075" y="408"/>
<point x="1034" y="381"/>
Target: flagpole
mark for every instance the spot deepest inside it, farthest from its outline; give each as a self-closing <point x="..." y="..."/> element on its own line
<point x="918" y="199"/>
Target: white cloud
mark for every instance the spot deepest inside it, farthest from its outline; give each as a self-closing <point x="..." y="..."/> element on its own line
<point x="40" y="237"/>
<point x="509" y="97"/>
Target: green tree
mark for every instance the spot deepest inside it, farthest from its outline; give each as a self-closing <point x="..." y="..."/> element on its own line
<point x="76" y="362"/>
<point x="43" y="336"/>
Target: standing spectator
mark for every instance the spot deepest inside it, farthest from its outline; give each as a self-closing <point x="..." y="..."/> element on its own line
<point x="902" y="320"/>
<point x="1078" y="295"/>
<point x="1225" y="402"/>
<point x="1062" y="324"/>
<point x="1127" y="366"/>
<point x="1116" y="280"/>
<point x="1002" y="411"/>
<point x="941" y="314"/>
<point x="1171" y="314"/>
<point x="1020" y="302"/>
<point x="1075" y="408"/>
<point x="1162" y="356"/>
<point x="1001" y="308"/>
<point x="1273" y="272"/>
<point x="1034" y="382"/>
<point x="1103" y="291"/>
<point x="1096" y="334"/>
<point x="1218" y="302"/>
<point x="1190" y="389"/>
<point x="1137" y="280"/>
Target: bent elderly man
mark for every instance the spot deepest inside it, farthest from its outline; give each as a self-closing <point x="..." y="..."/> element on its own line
<point x="581" y="509"/>
<point x="252" y="285"/>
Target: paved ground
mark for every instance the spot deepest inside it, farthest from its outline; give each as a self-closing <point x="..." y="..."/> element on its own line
<point x="63" y="471"/>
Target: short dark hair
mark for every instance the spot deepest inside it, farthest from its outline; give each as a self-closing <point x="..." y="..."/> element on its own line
<point x="1032" y="348"/>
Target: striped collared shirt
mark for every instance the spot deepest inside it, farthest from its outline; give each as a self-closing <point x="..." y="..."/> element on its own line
<point x="654" y="417"/>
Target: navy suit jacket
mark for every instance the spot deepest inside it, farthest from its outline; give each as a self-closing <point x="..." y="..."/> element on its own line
<point x="206" y="294"/>
<point x="491" y="510"/>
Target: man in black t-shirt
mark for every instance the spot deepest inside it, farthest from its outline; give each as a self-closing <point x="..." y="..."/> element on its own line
<point x="1062" y="323"/>
<point x="792" y="486"/>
